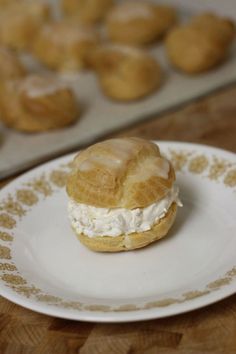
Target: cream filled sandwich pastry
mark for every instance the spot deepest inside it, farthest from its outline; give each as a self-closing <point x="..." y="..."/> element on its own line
<point x="122" y="195"/>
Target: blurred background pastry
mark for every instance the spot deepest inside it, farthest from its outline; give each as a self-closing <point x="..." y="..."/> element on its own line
<point x="20" y="21"/>
<point x="86" y="11"/>
<point x="137" y="23"/>
<point x="64" y="46"/>
<point x="37" y="103"/>
<point x="11" y="66"/>
<point x="125" y="73"/>
<point x="201" y="44"/>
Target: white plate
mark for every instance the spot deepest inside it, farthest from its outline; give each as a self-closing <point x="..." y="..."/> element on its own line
<point x="45" y="268"/>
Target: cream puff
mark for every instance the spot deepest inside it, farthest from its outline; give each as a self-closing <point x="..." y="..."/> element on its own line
<point x="10" y="65"/>
<point x="138" y="23"/>
<point x="64" y="46"/>
<point x="122" y="195"/>
<point x="125" y="73"/>
<point x="37" y="103"/>
<point x="200" y="45"/>
<point x="20" y="21"/>
<point x="87" y="11"/>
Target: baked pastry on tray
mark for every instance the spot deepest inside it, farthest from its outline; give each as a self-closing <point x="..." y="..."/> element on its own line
<point x="137" y="23"/>
<point x="10" y="65"/>
<point x="20" y="21"/>
<point x="86" y="11"/>
<point x="200" y="45"/>
<point x="37" y="103"/>
<point x="122" y="195"/>
<point x="64" y="46"/>
<point x="125" y="73"/>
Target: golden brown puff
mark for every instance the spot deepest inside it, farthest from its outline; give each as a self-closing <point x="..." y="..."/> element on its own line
<point x="64" y="46"/>
<point x="20" y="21"/>
<point x="191" y="51"/>
<point x="138" y="23"/>
<point x="37" y="103"/>
<point x="10" y="65"/>
<point x="86" y="11"/>
<point x="120" y="173"/>
<point x="125" y="73"/>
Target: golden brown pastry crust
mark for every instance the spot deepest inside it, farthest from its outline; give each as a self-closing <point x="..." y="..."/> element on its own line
<point x="131" y="241"/>
<point x="201" y="44"/>
<point x="20" y="21"/>
<point x="120" y="173"/>
<point x="87" y="11"/>
<point x="139" y="23"/>
<point x="36" y="104"/>
<point x="220" y="29"/>
<point x="125" y="73"/>
<point x="64" y="46"/>
<point x="10" y="66"/>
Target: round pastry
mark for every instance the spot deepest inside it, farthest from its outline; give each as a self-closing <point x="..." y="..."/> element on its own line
<point x="125" y="73"/>
<point x="10" y="66"/>
<point x="139" y="22"/>
<point x="64" y="46"/>
<point x="200" y="45"/>
<point x="121" y="195"/>
<point x="87" y="11"/>
<point x="37" y="103"/>
<point x="20" y="21"/>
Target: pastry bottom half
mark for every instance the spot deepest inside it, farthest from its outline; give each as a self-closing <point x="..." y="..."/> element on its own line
<point x="131" y="241"/>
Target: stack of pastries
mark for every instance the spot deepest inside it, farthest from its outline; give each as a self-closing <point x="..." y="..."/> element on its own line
<point x="122" y="195"/>
<point x="110" y="38"/>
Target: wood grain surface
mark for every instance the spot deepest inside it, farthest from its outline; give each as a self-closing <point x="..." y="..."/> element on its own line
<point x="212" y="121"/>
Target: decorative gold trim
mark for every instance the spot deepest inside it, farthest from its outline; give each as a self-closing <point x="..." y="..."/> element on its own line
<point x="21" y="202"/>
<point x="6" y="221"/>
<point x="27" y="197"/>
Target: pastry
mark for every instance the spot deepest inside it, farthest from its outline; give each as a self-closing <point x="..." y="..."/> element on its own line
<point x="200" y="45"/>
<point x="10" y="66"/>
<point x="37" y="103"/>
<point x="125" y="73"/>
<point x="122" y="195"/>
<point x="219" y="28"/>
<point x="20" y="21"/>
<point x="138" y="23"/>
<point x="87" y="11"/>
<point x="63" y="46"/>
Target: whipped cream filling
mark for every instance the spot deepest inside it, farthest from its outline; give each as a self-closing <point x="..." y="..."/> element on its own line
<point x="94" y="222"/>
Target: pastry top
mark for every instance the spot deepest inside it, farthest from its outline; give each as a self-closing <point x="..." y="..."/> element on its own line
<point x="126" y="172"/>
<point x="66" y="34"/>
<point x="218" y="28"/>
<point x="86" y="11"/>
<point x="139" y="22"/>
<point x="10" y="65"/>
<point x="36" y="86"/>
<point x="131" y="10"/>
<point x="109" y="57"/>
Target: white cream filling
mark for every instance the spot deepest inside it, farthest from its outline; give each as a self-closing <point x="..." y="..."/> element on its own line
<point x="93" y="221"/>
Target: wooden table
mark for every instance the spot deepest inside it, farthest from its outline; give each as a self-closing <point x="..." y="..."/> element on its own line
<point x="211" y="120"/>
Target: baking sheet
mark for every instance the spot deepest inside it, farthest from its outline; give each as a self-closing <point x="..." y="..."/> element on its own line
<point x="19" y="151"/>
